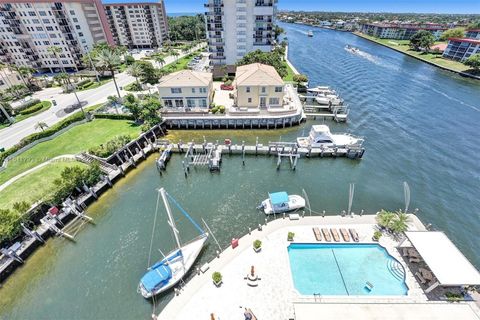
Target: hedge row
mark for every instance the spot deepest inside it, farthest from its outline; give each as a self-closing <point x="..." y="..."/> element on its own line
<point x="83" y="82"/>
<point x="36" y="107"/>
<point x="27" y="104"/>
<point x="113" y="116"/>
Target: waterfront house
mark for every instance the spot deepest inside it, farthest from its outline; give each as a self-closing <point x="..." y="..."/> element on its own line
<point x="186" y="89"/>
<point x="258" y="86"/>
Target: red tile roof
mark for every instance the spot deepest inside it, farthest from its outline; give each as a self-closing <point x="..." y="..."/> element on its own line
<point x="474" y="41"/>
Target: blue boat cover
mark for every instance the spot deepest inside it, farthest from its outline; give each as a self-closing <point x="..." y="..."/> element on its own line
<point x="277" y="198"/>
<point x="156" y="277"/>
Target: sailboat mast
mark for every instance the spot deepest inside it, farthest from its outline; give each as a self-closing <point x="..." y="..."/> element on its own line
<point x="171" y="222"/>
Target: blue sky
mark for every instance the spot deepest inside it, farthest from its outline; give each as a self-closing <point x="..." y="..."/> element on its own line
<point x="434" y="6"/>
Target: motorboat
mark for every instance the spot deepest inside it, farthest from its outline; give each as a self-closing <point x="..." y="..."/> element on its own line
<point x="174" y="266"/>
<point x="310" y="33"/>
<point x="333" y="100"/>
<point x="321" y="90"/>
<point x="351" y="49"/>
<point x="279" y="202"/>
<point x="320" y="136"/>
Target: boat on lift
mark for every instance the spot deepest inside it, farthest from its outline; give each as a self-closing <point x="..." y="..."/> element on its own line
<point x="320" y="136"/>
<point x="333" y="100"/>
<point x="279" y="202"/>
<point x="174" y="266"/>
<point x="321" y="90"/>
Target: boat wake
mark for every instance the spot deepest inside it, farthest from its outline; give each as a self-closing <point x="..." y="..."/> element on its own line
<point x="363" y="55"/>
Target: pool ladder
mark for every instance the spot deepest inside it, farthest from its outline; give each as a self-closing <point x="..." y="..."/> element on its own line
<point x="396" y="269"/>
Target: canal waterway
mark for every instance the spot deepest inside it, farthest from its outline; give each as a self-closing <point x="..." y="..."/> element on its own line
<point x="420" y="125"/>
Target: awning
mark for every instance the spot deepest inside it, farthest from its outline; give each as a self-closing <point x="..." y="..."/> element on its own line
<point x="277" y="198"/>
<point x="448" y="264"/>
<point x="156" y="277"/>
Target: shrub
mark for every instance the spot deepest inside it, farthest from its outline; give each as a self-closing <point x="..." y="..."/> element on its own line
<point x="257" y="244"/>
<point x="110" y="147"/>
<point x="300" y="78"/>
<point x="214" y="109"/>
<point x="290" y="236"/>
<point x="217" y="277"/>
<point x="134" y="86"/>
<point x="377" y="235"/>
<point x="221" y="109"/>
<point x="36" y="107"/>
<point x="83" y="82"/>
<point x="114" y="116"/>
<point x="27" y="104"/>
<point x="129" y="60"/>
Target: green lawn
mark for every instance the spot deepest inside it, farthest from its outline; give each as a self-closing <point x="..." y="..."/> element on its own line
<point x="20" y="117"/>
<point x="180" y="64"/>
<point x="402" y="45"/>
<point x="290" y="74"/>
<point x="75" y="140"/>
<point x="35" y="186"/>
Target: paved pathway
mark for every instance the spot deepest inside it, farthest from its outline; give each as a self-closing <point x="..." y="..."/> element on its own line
<point x="21" y="175"/>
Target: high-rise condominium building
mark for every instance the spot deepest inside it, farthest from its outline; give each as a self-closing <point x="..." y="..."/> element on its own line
<point x="236" y="27"/>
<point x="28" y="29"/>
<point x="137" y="24"/>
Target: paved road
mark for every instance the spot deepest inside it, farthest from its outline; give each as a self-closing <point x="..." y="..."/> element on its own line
<point x="13" y="134"/>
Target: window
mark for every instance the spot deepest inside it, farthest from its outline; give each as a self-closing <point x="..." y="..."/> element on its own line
<point x="274" y="101"/>
<point x="278" y="89"/>
<point x="39" y="29"/>
<point x="203" y="90"/>
<point x="75" y="20"/>
<point x="36" y="21"/>
<point x="168" y="103"/>
<point x="80" y="34"/>
<point x="264" y="89"/>
<point x="249" y="100"/>
<point x="176" y="90"/>
<point x="193" y="90"/>
<point x="191" y="103"/>
<point x="31" y="13"/>
<point x="203" y="103"/>
<point x="77" y="27"/>
<point x="247" y="89"/>
<point x="72" y="12"/>
<point x="46" y="21"/>
<point x="179" y="103"/>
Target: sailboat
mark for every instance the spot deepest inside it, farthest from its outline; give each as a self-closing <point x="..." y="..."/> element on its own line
<point x="174" y="266"/>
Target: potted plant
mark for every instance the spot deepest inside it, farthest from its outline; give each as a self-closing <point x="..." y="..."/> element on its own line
<point x="257" y="245"/>
<point x="217" y="278"/>
<point x="290" y="236"/>
<point x="376" y="235"/>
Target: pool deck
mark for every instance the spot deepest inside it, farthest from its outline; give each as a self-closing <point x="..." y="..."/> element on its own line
<point x="275" y="295"/>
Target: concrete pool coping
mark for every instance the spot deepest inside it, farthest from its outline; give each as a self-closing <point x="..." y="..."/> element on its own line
<point x="275" y="296"/>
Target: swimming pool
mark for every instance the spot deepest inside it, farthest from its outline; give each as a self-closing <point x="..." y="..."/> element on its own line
<point x="345" y="269"/>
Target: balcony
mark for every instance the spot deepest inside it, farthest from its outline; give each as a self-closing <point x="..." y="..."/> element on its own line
<point x="213" y="5"/>
<point x="215" y="13"/>
<point x="263" y="4"/>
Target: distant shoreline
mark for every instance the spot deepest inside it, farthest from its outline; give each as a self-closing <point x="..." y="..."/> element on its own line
<point x="181" y="14"/>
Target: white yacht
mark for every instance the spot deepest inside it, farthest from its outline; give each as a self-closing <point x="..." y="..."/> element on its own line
<point x="279" y="202"/>
<point x="320" y="136"/>
<point x="310" y="33"/>
<point x="323" y="99"/>
<point x="321" y="90"/>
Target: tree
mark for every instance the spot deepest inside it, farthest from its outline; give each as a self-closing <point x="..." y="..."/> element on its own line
<point x="109" y="59"/>
<point x="400" y="223"/>
<point x="277" y="31"/>
<point x="132" y="104"/>
<point x="150" y="112"/>
<point x="453" y="33"/>
<point x="147" y="73"/>
<point x="385" y="218"/>
<point x="56" y="51"/>
<point x="6" y="111"/>
<point x="473" y="61"/>
<point x="41" y="125"/>
<point x="474" y="25"/>
<point x="186" y="28"/>
<point x="300" y="78"/>
<point x="422" y="39"/>
<point x="135" y="70"/>
<point x="270" y="58"/>
<point x="160" y="60"/>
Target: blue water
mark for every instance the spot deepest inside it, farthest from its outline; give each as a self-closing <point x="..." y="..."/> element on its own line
<point x="343" y="269"/>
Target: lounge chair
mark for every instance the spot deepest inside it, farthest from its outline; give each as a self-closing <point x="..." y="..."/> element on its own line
<point x="317" y="233"/>
<point x="345" y="235"/>
<point x="414" y="259"/>
<point x="335" y="235"/>
<point x="354" y="234"/>
<point x="326" y="235"/>
<point x="419" y="276"/>
<point x="413" y="253"/>
<point x="249" y="314"/>
<point x="405" y="252"/>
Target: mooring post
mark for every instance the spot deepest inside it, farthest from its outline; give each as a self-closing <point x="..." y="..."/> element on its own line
<point x="184" y="168"/>
<point x="323" y="213"/>
<point x="361" y="213"/>
<point x="256" y="146"/>
<point x="295" y="162"/>
<point x="284" y="215"/>
<point x="309" y="150"/>
<point x="279" y="161"/>
<point x="243" y="152"/>
<point x="266" y="221"/>
<point x="249" y="230"/>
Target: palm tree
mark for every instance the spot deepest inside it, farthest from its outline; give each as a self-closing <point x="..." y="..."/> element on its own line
<point x="3" y="108"/>
<point x="135" y="70"/>
<point x="400" y="222"/>
<point x="109" y="59"/>
<point x="114" y="101"/>
<point x="5" y="79"/>
<point x="23" y="71"/>
<point x="385" y="218"/>
<point x="160" y="60"/>
<point x="41" y="125"/>
<point x="56" y="51"/>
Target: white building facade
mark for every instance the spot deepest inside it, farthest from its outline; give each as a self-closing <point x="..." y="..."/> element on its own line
<point x="28" y="29"/>
<point x="137" y="24"/>
<point x="236" y="27"/>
